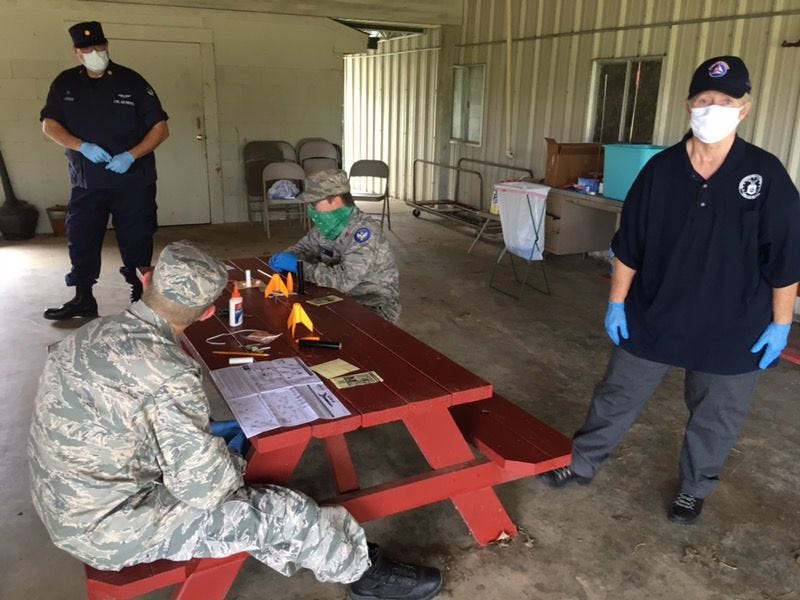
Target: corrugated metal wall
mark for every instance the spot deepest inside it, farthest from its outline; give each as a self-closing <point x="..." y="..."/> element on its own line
<point x="390" y="106"/>
<point x="556" y="42"/>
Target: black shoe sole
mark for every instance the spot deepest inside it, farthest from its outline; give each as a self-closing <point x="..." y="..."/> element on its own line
<point x="558" y="485"/>
<point x="433" y="594"/>
<point x="91" y="315"/>
<point x="682" y="520"/>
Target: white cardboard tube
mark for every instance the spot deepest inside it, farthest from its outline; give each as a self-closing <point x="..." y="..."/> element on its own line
<point x="240" y="360"/>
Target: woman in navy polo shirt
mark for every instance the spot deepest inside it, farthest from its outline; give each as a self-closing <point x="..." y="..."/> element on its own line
<point x="705" y="278"/>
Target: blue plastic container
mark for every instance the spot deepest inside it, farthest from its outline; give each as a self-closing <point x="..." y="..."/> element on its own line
<point x="621" y="165"/>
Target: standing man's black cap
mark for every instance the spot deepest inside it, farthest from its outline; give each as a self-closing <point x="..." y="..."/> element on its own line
<point x="86" y="34"/>
<point x="726" y="74"/>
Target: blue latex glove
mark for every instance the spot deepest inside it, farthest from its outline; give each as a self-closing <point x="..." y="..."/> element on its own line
<point x="232" y="434"/>
<point x="284" y="261"/>
<point x="120" y="163"/>
<point x="616" y="323"/>
<point x="774" y="338"/>
<point x="94" y="153"/>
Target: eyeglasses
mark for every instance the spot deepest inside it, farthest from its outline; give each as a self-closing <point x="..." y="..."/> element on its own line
<point x="88" y="49"/>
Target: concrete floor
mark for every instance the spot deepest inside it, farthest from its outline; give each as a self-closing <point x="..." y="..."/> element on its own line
<point x="610" y="540"/>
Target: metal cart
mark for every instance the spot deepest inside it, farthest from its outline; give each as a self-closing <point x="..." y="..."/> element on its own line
<point x="477" y="216"/>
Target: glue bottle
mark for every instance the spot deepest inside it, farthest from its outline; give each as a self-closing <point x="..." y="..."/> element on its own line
<point x="235" y="308"/>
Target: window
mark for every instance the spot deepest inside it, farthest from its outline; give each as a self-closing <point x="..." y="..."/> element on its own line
<point x="468" y="81"/>
<point x="626" y="100"/>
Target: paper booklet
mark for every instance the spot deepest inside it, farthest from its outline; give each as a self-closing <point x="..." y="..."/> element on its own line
<point x="284" y="392"/>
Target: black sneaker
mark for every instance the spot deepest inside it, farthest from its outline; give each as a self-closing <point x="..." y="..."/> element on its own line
<point x="562" y="476"/>
<point x="390" y="580"/>
<point x="685" y="509"/>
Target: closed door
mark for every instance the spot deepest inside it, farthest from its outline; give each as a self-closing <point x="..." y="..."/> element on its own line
<point x="173" y="69"/>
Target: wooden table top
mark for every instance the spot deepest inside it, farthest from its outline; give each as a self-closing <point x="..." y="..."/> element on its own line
<point x="415" y="376"/>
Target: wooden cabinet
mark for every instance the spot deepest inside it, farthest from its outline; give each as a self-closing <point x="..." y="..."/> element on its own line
<point x="578" y="223"/>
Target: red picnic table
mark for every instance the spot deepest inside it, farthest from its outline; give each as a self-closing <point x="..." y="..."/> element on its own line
<point x="437" y="400"/>
<point x="443" y="406"/>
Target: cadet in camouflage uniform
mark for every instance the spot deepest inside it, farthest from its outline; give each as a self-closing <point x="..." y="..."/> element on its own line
<point x="124" y="469"/>
<point x="346" y="249"/>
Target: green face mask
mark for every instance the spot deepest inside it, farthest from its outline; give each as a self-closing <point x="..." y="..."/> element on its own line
<point x="331" y="224"/>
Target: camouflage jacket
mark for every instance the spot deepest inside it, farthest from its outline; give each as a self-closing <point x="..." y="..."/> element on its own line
<point x="119" y="445"/>
<point x="358" y="263"/>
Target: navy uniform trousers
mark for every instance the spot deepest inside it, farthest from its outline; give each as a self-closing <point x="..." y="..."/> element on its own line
<point x="133" y="215"/>
<point x="718" y="406"/>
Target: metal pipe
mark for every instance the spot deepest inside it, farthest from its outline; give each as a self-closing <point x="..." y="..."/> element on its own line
<point x="509" y="149"/>
<point x="716" y="19"/>
<point x="635" y="98"/>
<point x="365" y="55"/>
<point x="602" y="125"/>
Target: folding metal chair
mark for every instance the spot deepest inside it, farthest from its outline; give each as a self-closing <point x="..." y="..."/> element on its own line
<point x="317" y="155"/>
<point x="377" y="169"/>
<point x="522" y="215"/>
<point x="286" y="149"/>
<point x="257" y="155"/>
<point x="274" y="172"/>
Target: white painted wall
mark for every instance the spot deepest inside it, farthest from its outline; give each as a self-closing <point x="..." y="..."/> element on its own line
<point x="265" y="77"/>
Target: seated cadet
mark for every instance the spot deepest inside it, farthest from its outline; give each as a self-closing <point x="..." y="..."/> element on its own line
<point x="345" y="249"/>
<point x="124" y="469"/>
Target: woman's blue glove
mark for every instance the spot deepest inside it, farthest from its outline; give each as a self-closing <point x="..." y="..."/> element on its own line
<point x="232" y="434"/>
<point x="774" y="338"/>
<point x="615" y="322"/>
<point x="94" y="153"/>
<point x="120" y="163"/>
<point x="284" y="261"/>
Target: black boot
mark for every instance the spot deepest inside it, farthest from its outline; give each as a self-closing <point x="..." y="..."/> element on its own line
<point x="390" y="580"/>
<point x="82" y="305"/>
<point x="136" y="291"/>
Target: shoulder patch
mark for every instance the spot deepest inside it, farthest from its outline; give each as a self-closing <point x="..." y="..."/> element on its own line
<point x="362" y="234"/>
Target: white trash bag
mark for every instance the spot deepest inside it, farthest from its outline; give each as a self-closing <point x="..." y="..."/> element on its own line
<point x="522" y="210"/>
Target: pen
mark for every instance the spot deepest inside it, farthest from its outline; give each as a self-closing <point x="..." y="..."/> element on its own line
<point x="235" y="353"/>
<point x="331" y="344"/>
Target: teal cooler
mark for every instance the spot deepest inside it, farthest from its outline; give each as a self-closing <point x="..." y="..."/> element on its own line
<point x="621" y="165"/>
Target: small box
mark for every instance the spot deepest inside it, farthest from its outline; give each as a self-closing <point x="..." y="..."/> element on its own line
<point x="568" y="161"/>
<point x="622" y="164"/>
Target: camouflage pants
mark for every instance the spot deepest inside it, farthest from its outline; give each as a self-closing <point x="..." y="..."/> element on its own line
<point x="281" y="528"/>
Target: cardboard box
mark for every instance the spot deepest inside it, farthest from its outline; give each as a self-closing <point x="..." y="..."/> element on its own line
<point x="568" y="161"/>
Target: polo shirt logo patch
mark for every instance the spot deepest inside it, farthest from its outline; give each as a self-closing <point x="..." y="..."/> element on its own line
<point x="718" y="69"/>
<point x="750" y="186"/>
<point x="362" y="234"/>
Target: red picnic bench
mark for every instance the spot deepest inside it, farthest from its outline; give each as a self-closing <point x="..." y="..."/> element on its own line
<point x="199" y="579"/>
<point x="516" y="444"/>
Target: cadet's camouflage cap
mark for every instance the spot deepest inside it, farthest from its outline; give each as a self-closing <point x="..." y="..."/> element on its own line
<point x="324" y="184"/>
<point x="189" y="275"/>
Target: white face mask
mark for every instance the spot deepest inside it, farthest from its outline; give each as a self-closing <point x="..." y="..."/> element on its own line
<point x="96" y="61"/>
<point x="713" y="123"/>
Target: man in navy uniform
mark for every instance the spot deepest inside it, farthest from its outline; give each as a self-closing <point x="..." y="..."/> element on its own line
<point x="109" y="120"/>
<point x="707" y="260"/>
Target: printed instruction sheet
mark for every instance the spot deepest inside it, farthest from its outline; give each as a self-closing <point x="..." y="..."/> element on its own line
<point x="284" y="392"/>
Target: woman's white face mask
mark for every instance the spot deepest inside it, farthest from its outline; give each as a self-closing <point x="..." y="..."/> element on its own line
<point x="713" y="123"/>
<point x="96" y="61"/>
